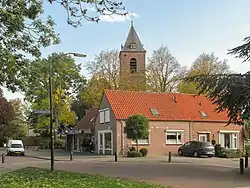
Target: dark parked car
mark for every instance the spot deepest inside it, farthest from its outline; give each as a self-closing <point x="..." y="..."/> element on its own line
<point x="196" y="149"/>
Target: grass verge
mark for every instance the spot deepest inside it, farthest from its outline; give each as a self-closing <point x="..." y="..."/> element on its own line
<point x="43" y="178"/>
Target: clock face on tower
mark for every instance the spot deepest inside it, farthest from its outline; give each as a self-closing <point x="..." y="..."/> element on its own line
<point x="132" y="45"/>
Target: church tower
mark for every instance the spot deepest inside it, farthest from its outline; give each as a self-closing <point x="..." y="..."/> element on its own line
<point x="132" y="63"/>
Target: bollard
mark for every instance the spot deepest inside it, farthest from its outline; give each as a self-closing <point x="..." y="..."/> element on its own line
<point x="3" y="158"/>
<point x="71" y="156"/>
<point x="115" y="157"/>
<point x="246" y="160"/>
<point x="241" y="165"/>
<point x="169" y="157"/>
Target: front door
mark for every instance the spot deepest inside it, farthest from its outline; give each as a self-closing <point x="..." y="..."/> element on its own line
<point x="105" y="142"/>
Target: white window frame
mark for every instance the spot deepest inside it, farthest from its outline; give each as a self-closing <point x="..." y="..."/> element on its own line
<point x="233" y="135"/>
<point x="142" y="141"/>
<point x="203" y="135"/>
<point x="104" y="115"/>
<point x="107" y="115"/>
<point x="181" y="132"/>
<point x="101" y="116"/>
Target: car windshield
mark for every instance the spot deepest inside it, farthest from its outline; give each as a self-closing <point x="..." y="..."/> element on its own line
<point x="16" y="146"/>
<point x="206" y="144"/>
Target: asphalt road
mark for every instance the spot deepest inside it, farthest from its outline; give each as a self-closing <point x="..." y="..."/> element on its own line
<point x="182" y="172"/>
<point x="176" y="175"/>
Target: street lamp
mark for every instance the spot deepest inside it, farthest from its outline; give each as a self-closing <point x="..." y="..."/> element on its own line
<point x="52" y="154"/>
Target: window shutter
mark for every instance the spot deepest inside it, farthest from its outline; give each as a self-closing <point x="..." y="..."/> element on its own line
<point x="107" y="116"/>
<point x="101" y="113"/>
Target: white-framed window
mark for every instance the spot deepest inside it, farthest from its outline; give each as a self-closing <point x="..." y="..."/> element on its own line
<point x="229" y="140"/>
<point x="104" y="115"/>
<point x="107" y="115"/>
<point x="142" y="141"/>
<point x="174" y="136"/>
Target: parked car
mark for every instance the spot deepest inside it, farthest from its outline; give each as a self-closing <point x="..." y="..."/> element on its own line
<point x="15" y="147"/>
<point x="197" y="149"/>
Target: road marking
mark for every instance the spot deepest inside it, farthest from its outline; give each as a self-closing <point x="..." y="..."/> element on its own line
<point x="244" y="187"/>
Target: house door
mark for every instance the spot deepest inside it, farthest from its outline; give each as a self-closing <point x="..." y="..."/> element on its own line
<point x="105" y="142"/>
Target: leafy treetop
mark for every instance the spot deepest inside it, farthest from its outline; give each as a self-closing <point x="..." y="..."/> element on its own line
<point x="22" y="32"/>
<point x="77" y="10"/>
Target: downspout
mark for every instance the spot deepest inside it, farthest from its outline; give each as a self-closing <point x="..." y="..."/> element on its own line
<point x="122" y="137"/>
<point x="190" y="130"/>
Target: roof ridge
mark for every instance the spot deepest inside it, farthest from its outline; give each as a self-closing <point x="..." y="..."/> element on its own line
<point x="152" y="92"/>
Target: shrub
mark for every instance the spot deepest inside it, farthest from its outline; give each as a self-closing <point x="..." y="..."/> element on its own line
<point x="132" y="149"/>
<point x="144" y="152"/>
<point x="233" y="153"/>
<point x="59" y="144"/>
<point x="134" y="154"/>
<point x="219" y="151"/>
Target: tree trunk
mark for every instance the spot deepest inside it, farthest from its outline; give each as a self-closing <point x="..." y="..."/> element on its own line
<point x="137" y="147"/>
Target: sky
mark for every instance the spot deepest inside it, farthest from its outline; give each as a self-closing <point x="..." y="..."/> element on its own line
<point x="188" y="28"/>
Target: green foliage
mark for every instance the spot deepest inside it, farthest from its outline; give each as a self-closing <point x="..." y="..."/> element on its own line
<point x="35" y="177"/>
<point x="136" y="128"/>
<point x="134" y="154"/>
<point x="92" y="94"/>
<point x="79" y="10"/>
<point x="163" y="71"/>
<point x="230" y="92"/>
<point x="106" y="66"/>
<point x="205" y="64"/>
<point x="66" y="80"/>
<point x="227" y="153"/>
<point x="23" y="32"/>
<point x="144" y="152"/>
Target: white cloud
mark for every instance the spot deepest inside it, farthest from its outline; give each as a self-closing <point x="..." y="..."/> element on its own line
<point x="118" y="18"/>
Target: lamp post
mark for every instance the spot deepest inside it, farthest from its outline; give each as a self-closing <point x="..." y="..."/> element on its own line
<point x="52" y="154"/>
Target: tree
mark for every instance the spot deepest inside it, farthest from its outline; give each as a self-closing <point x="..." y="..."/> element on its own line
<point x="22" y="32"/>
<point x="163" y="71"/>
<point x="205" y="64"/>
<point x="6" y="112"/>
<point x="136" y="128"/>
<point x="79" y="107"/>
<point x="18" y="122"/>
<point x="66" y="81"/>
<point x="106" y="65"/>
<point x="79" y="9"/>
<point x="92" y="94"/>
<point x="230" y="92"/>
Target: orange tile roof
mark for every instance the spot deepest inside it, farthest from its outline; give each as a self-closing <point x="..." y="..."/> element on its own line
<point x="186" y="108"/>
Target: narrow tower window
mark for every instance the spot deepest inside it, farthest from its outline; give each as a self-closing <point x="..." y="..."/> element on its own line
<point x="133" y="65"/>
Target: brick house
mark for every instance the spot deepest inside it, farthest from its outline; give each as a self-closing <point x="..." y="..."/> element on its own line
<point x="173" y="120"/>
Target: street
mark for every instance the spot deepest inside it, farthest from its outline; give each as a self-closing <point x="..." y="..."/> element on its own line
<point x="194" y="173"/>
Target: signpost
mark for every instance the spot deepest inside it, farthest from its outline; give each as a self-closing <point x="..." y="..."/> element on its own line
<point x="41" y="112"/>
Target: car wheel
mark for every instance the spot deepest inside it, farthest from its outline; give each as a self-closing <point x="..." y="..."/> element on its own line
<point x="180" y="152"/>
<point x="195" y="154"/>
<point x="210" y="156"/>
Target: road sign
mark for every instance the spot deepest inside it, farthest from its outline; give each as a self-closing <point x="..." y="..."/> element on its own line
<point x="46" y="112"/>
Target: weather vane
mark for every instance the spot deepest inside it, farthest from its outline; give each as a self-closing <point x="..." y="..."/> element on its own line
<point x="132" y="18"/>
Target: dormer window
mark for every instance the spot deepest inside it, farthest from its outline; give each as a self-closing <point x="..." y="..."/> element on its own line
<point x="203" y="114"/>
<point x="132" y="45"/>
<point x="133" y="65"/>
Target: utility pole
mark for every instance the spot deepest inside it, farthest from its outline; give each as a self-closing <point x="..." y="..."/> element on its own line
<point x="52" y="153"/>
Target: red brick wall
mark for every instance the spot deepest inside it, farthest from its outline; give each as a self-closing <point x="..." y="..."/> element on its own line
<point x="214" y="128"/>
<point x="157" y="135"/>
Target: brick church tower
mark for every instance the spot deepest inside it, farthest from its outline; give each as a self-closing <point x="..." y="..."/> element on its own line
<point x="132" y="63"/>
